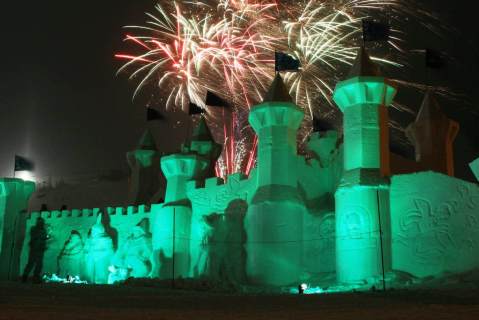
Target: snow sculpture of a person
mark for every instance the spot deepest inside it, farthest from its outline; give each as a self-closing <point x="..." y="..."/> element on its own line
<point x="136" y="253"/>
<point x="211" y="260"/>
<point x="71" y="258"/>
<point x="202" y="265"/>
<point x="235" y="237"/>
<point x="99" y="252"/>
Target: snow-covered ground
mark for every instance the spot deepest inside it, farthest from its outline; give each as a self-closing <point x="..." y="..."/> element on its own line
<point x="157" y="300"/>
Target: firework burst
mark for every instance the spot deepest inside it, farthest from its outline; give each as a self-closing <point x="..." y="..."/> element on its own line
<point x="188" y="48"/>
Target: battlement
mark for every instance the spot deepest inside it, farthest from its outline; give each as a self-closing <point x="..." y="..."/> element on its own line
<point x="215" y="194"/>
<point x="213" y="182"/>
<point x="90" y="212"/>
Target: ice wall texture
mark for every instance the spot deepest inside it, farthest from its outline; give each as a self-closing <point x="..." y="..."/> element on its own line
<point x="435" y="224"/>
<point x="87" y="242"/>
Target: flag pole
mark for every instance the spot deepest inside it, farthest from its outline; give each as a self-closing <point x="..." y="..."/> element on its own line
<point x="14" y="165"/>
<point x="173" y="249"/>
<point x="381" y="239"/>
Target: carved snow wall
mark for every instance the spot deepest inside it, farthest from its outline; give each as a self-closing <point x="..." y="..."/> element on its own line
<point x="435" y="224"/>
<point x="86" y="242"/>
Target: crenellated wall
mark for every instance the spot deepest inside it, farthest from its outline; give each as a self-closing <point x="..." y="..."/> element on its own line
<point x="215" y="194"/>
<point x="118" y="223"/>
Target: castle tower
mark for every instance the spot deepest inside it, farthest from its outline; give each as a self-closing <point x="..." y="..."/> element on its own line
<point x="195" y="162"/>
<point x="203" y="143"/>
<point x="173" y="219"/>
<point x="144" y="166"/>
<point x="274" y="220"/>
<point x="361" y="197"/>
<point x="432" y="135"/>
<point x="14" y="196"/>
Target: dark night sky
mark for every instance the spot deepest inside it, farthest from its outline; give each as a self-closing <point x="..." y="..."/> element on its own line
<point x="63" y="106"/>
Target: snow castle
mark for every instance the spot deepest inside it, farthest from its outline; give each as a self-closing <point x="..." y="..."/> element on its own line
<point x="354" y="210"/>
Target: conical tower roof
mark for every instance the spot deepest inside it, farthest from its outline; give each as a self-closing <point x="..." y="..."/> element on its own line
<point x="363" y="66"/>
<point x="430" y="108"/>
<point x="202" y="132"/>
<point x="147" y="142"/>
<point x="277" y="92"/>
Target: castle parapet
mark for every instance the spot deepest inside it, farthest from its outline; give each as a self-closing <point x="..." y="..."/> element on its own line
<point x="89" y="212"/>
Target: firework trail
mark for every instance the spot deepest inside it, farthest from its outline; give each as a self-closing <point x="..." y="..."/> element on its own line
<point x="187" y="48"/>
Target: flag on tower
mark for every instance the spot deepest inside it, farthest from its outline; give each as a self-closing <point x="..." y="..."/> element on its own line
<point x="215" y="101"/>
<point x="375" y="31"/>
<point x="320" y="125"/>
<point x="285" y="62"/>
<point x="153" y="114"/>
<point x="23" y="164"/>
<point x="194" y="109"/>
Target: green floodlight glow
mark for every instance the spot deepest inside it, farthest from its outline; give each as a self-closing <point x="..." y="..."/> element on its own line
<point x="293" y="221"/>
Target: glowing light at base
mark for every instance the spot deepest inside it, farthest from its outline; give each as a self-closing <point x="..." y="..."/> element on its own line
<point x="68" y="280"/>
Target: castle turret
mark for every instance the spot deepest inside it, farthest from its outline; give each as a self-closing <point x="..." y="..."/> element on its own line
<point x="173" y="218"/>
<point x="361" y="197"/>
<point x="14" y="196"/>
<point x="432" y="135"/>
<point x="274" y="219"/>
<point x="276" y="122"/>
<point x="195" y="162"/>
<point x="144" y="166"/>
<point x="363" y="99"/>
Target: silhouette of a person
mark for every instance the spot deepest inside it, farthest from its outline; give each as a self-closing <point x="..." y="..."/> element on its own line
<point x="38" y="245"/>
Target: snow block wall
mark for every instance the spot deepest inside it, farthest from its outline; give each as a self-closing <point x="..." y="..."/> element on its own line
<point x="87" y="242"/>
<point x="317" y="179"/>
<point x="435" y="224"/>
